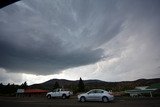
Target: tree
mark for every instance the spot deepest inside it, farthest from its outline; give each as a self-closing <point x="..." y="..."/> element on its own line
<point x="56" y="85"/>
<point x="1" y="88"/>
<point x="24" y="85"/>
<point x="81" y="87"/>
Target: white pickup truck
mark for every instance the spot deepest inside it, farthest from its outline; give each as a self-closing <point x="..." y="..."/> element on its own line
<point x="62" y="93"/>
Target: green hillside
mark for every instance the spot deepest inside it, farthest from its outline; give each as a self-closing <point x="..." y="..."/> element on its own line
<point x="156" y="85"/>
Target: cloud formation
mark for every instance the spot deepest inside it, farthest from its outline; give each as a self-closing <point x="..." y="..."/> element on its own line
<point x="100" y="38"/>
<point x="44" y="39"/>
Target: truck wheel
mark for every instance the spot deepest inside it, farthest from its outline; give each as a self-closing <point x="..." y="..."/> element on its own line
<point x="49" y="96"/>
<point x="64" y="96"/>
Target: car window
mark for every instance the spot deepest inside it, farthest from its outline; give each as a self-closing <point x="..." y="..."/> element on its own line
<point x="91" y="92"/>
<point x="99" y="91"/>
<point x="95" y="91"/>
<point x="54" y="90"/>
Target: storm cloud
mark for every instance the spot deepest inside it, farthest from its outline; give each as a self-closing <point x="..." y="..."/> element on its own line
<point x="45" y="37"/>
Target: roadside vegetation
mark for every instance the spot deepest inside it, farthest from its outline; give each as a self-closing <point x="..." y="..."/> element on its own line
<point x="80" y="86"/>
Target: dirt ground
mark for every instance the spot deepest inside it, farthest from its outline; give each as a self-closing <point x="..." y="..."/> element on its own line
<point x="72" y="102"/>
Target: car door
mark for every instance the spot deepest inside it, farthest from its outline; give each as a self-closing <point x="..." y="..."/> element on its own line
<point x="98" y="95"/>
<point x="91" y="96"/>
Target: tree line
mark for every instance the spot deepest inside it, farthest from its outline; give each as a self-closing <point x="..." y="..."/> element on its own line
<point x="10" y="89"/>
<point x="80" y="87"/>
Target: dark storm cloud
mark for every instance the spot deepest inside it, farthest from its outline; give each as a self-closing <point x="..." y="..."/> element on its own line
<point x="48" y="36"/>
<point x="45" y="37"/>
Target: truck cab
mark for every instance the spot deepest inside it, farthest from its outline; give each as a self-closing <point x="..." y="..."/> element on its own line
<point x="62" y="93"/>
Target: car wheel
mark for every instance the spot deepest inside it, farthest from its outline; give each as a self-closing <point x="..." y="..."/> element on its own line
<point x="82" y="99"/>
<point x="105" y="99"/>
<point x="63" y="96"/>
<point x="49" y="96"/>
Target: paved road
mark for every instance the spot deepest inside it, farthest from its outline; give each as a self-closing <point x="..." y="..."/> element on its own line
<point x="43" y="102"/>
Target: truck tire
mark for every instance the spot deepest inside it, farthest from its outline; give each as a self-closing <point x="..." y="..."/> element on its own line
<point x="49" y="96"/>
<point x="64" y="96"/>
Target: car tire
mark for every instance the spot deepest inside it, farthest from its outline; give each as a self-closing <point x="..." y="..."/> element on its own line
<point x="49" y="96"/>
<point x="64" y="96"/>
<point x="82" y="99"/>
<point x="105" y="99"/>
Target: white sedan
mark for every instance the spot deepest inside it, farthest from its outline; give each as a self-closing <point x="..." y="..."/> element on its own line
<point x="96" y="95"/>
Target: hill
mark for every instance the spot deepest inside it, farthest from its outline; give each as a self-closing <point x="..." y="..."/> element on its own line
<point x="90" y="84"/>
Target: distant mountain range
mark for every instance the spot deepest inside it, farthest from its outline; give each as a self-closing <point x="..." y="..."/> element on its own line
<point x="90" y="84"/>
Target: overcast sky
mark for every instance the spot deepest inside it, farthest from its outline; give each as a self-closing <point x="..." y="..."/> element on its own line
<point x="110" y="40"/>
